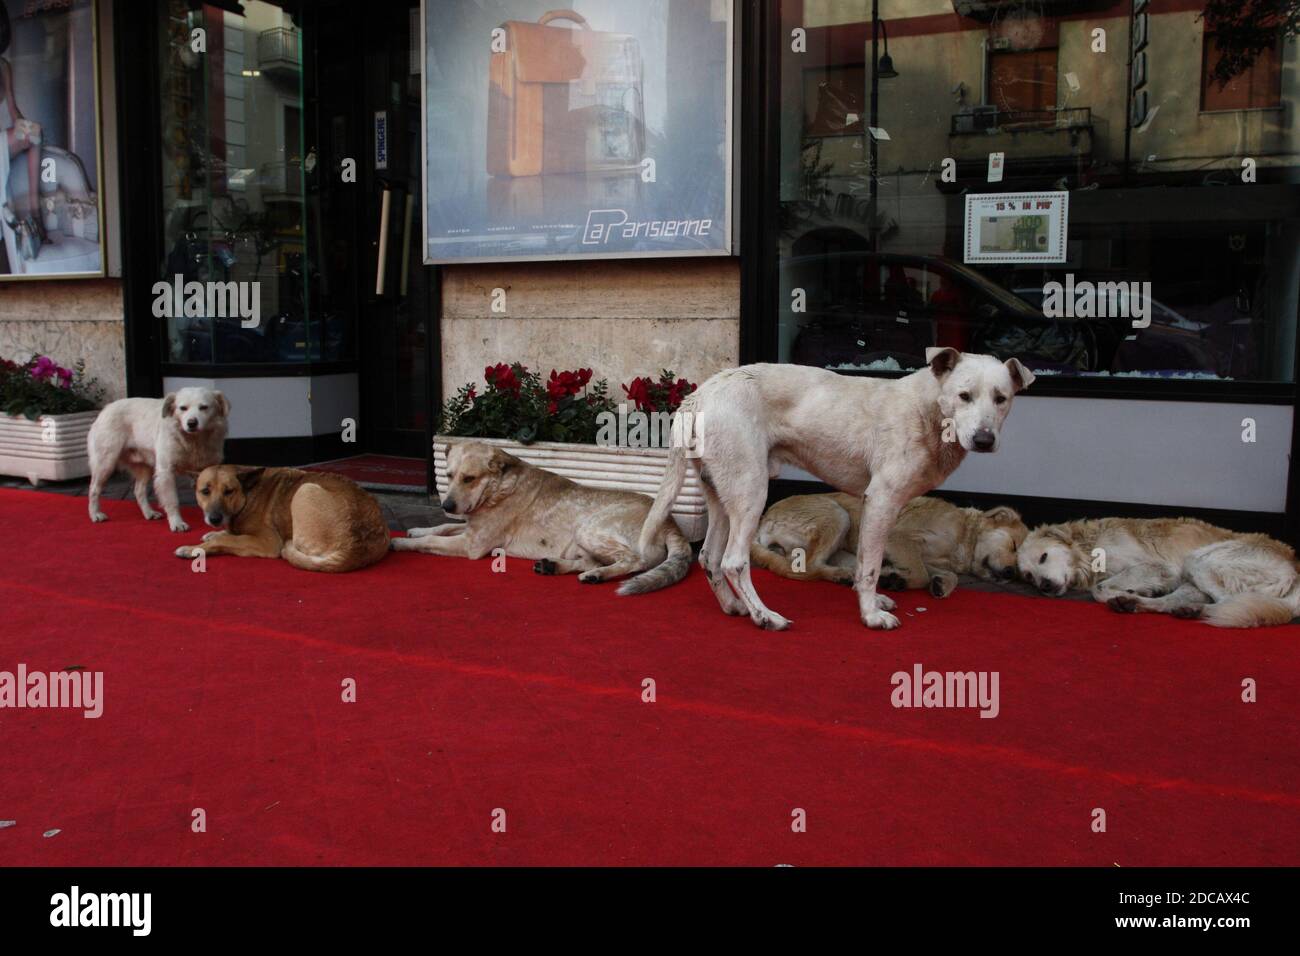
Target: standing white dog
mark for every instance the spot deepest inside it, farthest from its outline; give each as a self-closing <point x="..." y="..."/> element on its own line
<point x="888" y="441"/>
<point x="157" y="438"/>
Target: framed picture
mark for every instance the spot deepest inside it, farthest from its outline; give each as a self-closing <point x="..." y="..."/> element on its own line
<point x="51" y="208"/>
<point x="1016" y="227"/>
<point x="597" y="131"/>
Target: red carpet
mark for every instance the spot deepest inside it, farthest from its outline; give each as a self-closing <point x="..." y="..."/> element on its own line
<point x="378" y="471"/>
<point x="478" y="690"/>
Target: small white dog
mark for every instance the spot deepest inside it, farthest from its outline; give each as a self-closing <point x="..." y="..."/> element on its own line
<point x="885" y="441"/>
<point x="157" y="438"/>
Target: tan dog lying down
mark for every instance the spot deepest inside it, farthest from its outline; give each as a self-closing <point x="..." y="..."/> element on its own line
<point x="315" y="521"/>
<point x="1178" y="566"/>
<point x="931" y="543"/>
<point x="561" y="525"/>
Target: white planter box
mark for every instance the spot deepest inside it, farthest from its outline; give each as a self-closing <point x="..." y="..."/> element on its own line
<point x="622" y="469"/>
<point x="52" y="448"/>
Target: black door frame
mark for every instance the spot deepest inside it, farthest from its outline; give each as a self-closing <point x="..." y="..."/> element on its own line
<point x="138" y="84"/>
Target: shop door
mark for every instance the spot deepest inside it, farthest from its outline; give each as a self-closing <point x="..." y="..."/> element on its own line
<point x="368" y="111"/>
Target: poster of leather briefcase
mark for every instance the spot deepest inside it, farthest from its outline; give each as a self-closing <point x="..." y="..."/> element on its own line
<point x="563" y="100"/>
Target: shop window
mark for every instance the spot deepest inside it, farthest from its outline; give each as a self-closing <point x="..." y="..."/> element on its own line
<point x="234" y="205"/>
<point x="1258" y="86"/>
<point x="1177" y="270"/>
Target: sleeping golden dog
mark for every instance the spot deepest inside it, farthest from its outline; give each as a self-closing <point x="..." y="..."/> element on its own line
<point x="314" y="520"/>
<point x="565" y="528"/>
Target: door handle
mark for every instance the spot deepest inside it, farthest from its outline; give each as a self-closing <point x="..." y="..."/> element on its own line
<point x="384" y="208"/>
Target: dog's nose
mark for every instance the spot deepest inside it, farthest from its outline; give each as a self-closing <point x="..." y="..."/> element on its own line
<point x="191" y="423"/>
<point x="216" y="519"/>
<point x="984" y="439"/>
<point x="448" y="506"/>
<point x="1008" y="573"/>
<point x="1046" y="586"/>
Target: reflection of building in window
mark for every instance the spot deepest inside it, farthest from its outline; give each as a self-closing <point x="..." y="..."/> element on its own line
<point x="1257" y="87"/>
<point x="1023" y="80"/>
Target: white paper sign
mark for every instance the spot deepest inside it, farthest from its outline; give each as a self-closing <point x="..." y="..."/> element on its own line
<point x="1016" y="227"/>
<point x="996" y="161"/>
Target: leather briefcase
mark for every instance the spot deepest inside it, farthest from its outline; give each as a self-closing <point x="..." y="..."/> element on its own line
<point x="564" y="100"/>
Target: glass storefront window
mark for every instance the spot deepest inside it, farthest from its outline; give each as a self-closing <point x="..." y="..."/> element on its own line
<point x="1172" y="137"/>
<point x="235" y="205"/>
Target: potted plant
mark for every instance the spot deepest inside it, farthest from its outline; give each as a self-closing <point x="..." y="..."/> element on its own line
<point x="45" y="413"/>
<point x="573" y="427"/>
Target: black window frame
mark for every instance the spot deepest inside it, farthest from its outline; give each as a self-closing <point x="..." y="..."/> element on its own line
<point x="762" y="35"/>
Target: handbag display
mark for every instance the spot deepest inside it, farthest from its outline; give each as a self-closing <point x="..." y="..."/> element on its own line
<point x="562" y="100"/>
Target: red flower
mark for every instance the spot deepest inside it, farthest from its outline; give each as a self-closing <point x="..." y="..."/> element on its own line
<point x="639" y="391"/>
<point x="564" y="384"/>
<point x="502" y="378"/>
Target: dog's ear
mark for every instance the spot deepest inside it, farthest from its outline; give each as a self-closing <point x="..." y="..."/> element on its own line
<point x="1021" y="377"/>
<point x="169" y="405"/>
<point x="502" y="461"/>
<point x="1001" y="514"/>
<point x="941" y="360"/>
<point x="1057" y="533"/>
<point x="223" y="403"/>
<point x="249" y="477"/>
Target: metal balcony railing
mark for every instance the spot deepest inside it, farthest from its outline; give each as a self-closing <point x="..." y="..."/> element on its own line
<point x="986" y="119"/>
<point x="278" y="47"/>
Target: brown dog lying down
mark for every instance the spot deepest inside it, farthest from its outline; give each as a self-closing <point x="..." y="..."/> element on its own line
<point x="564" y="527"/>
<point x="931" y="543"/>
<point x="315" y="521"/>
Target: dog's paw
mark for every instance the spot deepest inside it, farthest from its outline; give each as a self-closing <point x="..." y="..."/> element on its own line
<point x="545" y="566"/>
<point x="151" y="515"/>
<point x="1123" y="603"/>
<point x="941" y="585"/>
<point x="590" y="577"/>
<point x="98" y="516"/>
<point x="211" y="534"/>
<point x="178" y="525"/>
<point x="884" y="603"/>
<point x="893" y="582"/>
<point x="418" y="532"/>
<point x="880" y="620"/>
<point x="1188" y="612"/>
<point x="770" y="621"/>
<point x="187" y="551"/>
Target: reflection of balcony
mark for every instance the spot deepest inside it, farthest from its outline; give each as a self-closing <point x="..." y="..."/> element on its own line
<point x="277" y="53"/>
<point x="989" y="10"/>
<point x="1026" y="134"/>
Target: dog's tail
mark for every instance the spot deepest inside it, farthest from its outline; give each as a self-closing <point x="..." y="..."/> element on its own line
<point x="761" y="556"/>
<point x="338" y="560"/>
<point x="671" y="483"/>
<point x="1249" y="610"/>
<point x="669" y="571"/>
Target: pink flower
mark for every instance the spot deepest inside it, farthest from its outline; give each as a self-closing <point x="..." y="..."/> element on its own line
<point x="44" y="368"/>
